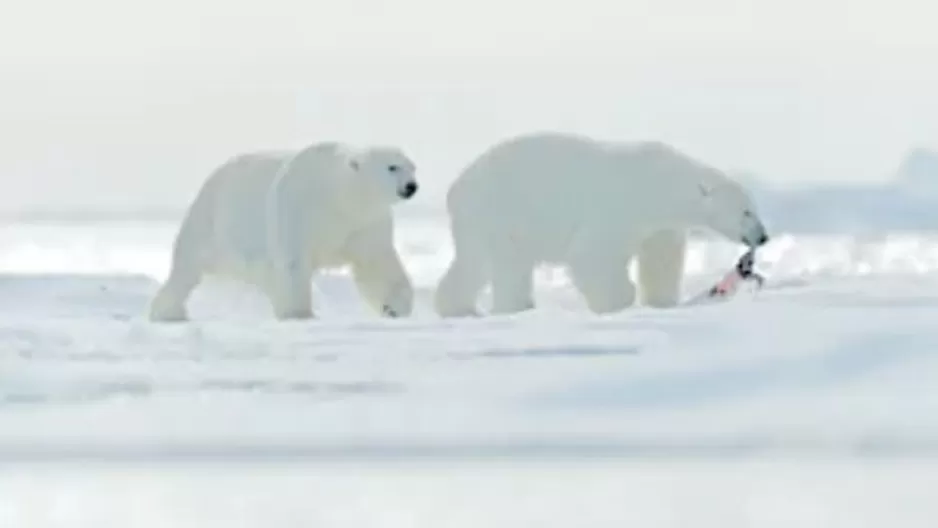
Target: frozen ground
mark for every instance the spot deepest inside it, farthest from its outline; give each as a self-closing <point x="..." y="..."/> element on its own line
<point x="471" y="494"/>
<point x="657" y="413"/>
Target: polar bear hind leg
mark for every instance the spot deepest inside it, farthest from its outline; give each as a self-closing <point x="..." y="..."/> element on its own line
<point x="459" y="288"/>
<point x="467" y="275"/>
<point x="187" y="267"/>
<point x="290" y="291"/>
<point x="169" y="303"/>
<point x="661" y="268"/>
<point x="512" y="280"/>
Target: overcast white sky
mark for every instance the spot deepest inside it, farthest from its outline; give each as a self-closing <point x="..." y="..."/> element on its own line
<point x="115" y="103"/>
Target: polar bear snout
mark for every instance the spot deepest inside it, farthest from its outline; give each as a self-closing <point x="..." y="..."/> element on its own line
<point x="756" y="236"/>
<point x="408" y="190"/>
<point x="755" y="241"/>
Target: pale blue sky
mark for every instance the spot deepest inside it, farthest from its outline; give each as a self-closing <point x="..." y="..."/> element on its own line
<point x="121" y="104"/>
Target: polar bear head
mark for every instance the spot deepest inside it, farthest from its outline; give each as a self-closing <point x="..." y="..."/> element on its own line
<point x="707" y="195"/>
<point x="384" y="174"/>
<point x="729" y="210"/>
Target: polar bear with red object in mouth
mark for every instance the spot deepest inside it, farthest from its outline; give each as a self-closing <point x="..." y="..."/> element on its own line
<point x="591" y="206"/>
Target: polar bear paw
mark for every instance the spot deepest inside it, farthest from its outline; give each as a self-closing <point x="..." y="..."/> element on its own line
<point x="400" y="303"/>
<point x="166" y="310"/>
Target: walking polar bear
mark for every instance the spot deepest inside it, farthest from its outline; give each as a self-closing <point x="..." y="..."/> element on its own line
<point x="591" y="206"/>
<point x="274" y="219"/>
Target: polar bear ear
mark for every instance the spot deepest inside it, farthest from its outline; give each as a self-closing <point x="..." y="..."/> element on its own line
<point x="705" y="190"/>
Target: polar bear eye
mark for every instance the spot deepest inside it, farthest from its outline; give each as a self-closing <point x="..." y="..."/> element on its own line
<point x="747" y="213"/>
<point x="393" y="168"/>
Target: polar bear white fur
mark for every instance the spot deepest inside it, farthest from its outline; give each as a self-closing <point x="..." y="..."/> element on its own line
<point x="591" y="206"/>
<point x="273" y="219"/>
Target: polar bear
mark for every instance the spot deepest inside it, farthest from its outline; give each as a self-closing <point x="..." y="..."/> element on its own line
<point x="272" y="219"/>
<point x="590" y="206"/>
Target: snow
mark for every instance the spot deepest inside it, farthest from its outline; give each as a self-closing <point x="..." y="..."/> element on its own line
<point x="470" y="494"/>
<point x="811" y="402"/>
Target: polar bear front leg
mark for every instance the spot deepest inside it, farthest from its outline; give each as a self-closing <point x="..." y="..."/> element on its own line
<point x="379" y="273"/>
<point x="383" y="283"/>
<point x="661" y="268"/>
<point x="598" y="268"/>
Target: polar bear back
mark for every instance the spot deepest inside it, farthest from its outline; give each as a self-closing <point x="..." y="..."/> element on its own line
<point x="231" y="214"/>
<point x="237" y="191"/>
<point x="564" y="167"/>
<point x="544" y="187"/>
<point x="526" y="182"/>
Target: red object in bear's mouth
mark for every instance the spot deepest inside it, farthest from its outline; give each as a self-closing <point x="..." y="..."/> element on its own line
<point x="741" y="272"/>
<point x="726" y="285"/>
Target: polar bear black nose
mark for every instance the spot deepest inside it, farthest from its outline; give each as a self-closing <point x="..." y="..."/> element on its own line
<point x="410" y="189"/>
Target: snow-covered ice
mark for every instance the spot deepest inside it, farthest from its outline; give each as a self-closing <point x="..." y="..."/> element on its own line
<point x="836" y="357"/>
<point x="478" y="493"/>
